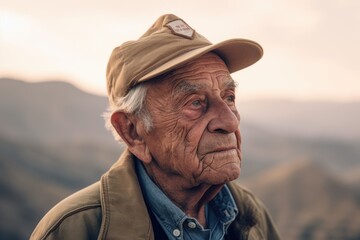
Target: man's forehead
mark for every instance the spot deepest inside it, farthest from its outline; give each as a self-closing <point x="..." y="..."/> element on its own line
<point x="226" y="82"/>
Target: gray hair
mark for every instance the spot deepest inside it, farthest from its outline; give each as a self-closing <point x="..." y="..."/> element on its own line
<point x="132" y="103"/>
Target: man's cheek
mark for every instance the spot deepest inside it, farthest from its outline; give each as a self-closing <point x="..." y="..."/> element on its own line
<point x="195" y="132"/>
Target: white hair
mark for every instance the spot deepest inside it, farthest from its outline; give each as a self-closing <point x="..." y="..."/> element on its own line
<point x="132" y="103"/>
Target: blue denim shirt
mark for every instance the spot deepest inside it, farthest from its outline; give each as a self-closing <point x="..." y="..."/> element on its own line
<point x="220" y="212"/>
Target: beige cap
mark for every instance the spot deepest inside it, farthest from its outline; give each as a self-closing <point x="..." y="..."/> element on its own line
<point x="168" y="44"/>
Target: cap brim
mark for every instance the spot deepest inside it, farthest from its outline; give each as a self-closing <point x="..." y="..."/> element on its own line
<point x="236" y="53"/>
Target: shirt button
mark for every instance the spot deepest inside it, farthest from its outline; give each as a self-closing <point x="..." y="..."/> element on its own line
<point x="191" y="225"/>
<point x="176" y="232"/>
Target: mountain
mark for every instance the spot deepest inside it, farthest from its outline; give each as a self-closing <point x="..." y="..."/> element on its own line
<point x="307" y="119"/>
<point x="51" y="112"/>
<point x="307" y="202"/>
<point x="53" y="142"/>
<point x="263" y="149"/>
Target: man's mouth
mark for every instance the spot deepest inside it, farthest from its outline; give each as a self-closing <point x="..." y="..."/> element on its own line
<point x="222" y="149"/>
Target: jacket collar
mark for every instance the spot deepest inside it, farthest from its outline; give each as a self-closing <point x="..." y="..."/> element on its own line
<point x="125" y="215"/>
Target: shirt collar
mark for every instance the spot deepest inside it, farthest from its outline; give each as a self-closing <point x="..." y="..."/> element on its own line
<point x="163" y="208"/>
<point x="170" y="216"/>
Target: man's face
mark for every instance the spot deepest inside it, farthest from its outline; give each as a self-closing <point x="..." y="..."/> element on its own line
<point x="195" y="135"/>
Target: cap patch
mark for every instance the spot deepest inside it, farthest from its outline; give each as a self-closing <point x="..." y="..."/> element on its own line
<point x="180" y="28"/>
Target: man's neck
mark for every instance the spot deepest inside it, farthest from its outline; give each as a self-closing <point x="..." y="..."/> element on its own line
<point x="190" y="199"/>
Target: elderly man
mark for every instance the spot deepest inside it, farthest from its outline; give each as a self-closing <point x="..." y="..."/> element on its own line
<point x="172" y="102"/>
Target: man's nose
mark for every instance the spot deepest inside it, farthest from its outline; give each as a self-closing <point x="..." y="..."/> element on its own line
<point x="225" y="120"/>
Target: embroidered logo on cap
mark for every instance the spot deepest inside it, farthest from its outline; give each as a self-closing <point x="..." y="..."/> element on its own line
<point x="180" y="28"/>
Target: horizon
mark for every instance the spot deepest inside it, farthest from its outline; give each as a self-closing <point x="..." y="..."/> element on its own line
<point x="239" y="99"/>
<point x="310" y="48"/>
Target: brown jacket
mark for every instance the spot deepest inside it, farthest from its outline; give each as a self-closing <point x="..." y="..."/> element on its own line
<point x="114" y="208"/>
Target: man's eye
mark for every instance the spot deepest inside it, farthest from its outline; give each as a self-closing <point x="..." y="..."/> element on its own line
<point x="230" y="98"/>
<point x="196" y="103"/>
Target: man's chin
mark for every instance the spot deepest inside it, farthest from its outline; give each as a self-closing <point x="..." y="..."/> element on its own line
<point x="232" y="174"/>
<point x="227" y="173"/>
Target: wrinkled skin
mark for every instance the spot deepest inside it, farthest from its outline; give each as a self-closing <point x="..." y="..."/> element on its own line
<point x="193" y="148"/>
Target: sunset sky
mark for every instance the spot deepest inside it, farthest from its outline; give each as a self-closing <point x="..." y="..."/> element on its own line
<point x="311" y="47"/>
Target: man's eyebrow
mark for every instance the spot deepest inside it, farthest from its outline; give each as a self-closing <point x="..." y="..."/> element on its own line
<point x="187" y="87"/>
<point x="229" y="83"/>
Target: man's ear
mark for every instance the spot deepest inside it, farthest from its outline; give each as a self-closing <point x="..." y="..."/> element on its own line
<point x="126" y="127"/>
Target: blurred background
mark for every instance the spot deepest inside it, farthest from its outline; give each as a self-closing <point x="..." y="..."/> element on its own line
<point x="299" y="105"/>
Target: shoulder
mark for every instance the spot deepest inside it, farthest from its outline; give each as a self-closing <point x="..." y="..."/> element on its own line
<point x="247" y="203"/>
<point x="80" y="211"/>
<point x="240" y="191"/>
<point x="252" y="213"/>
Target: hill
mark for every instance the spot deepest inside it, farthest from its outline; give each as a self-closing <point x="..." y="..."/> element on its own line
<point x="307" y="202"/>
<point x="306" y="119"/>
<point x="50" y="112"/>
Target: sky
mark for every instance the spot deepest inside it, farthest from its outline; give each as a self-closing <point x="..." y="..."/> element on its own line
<point x="311" y="48"/>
